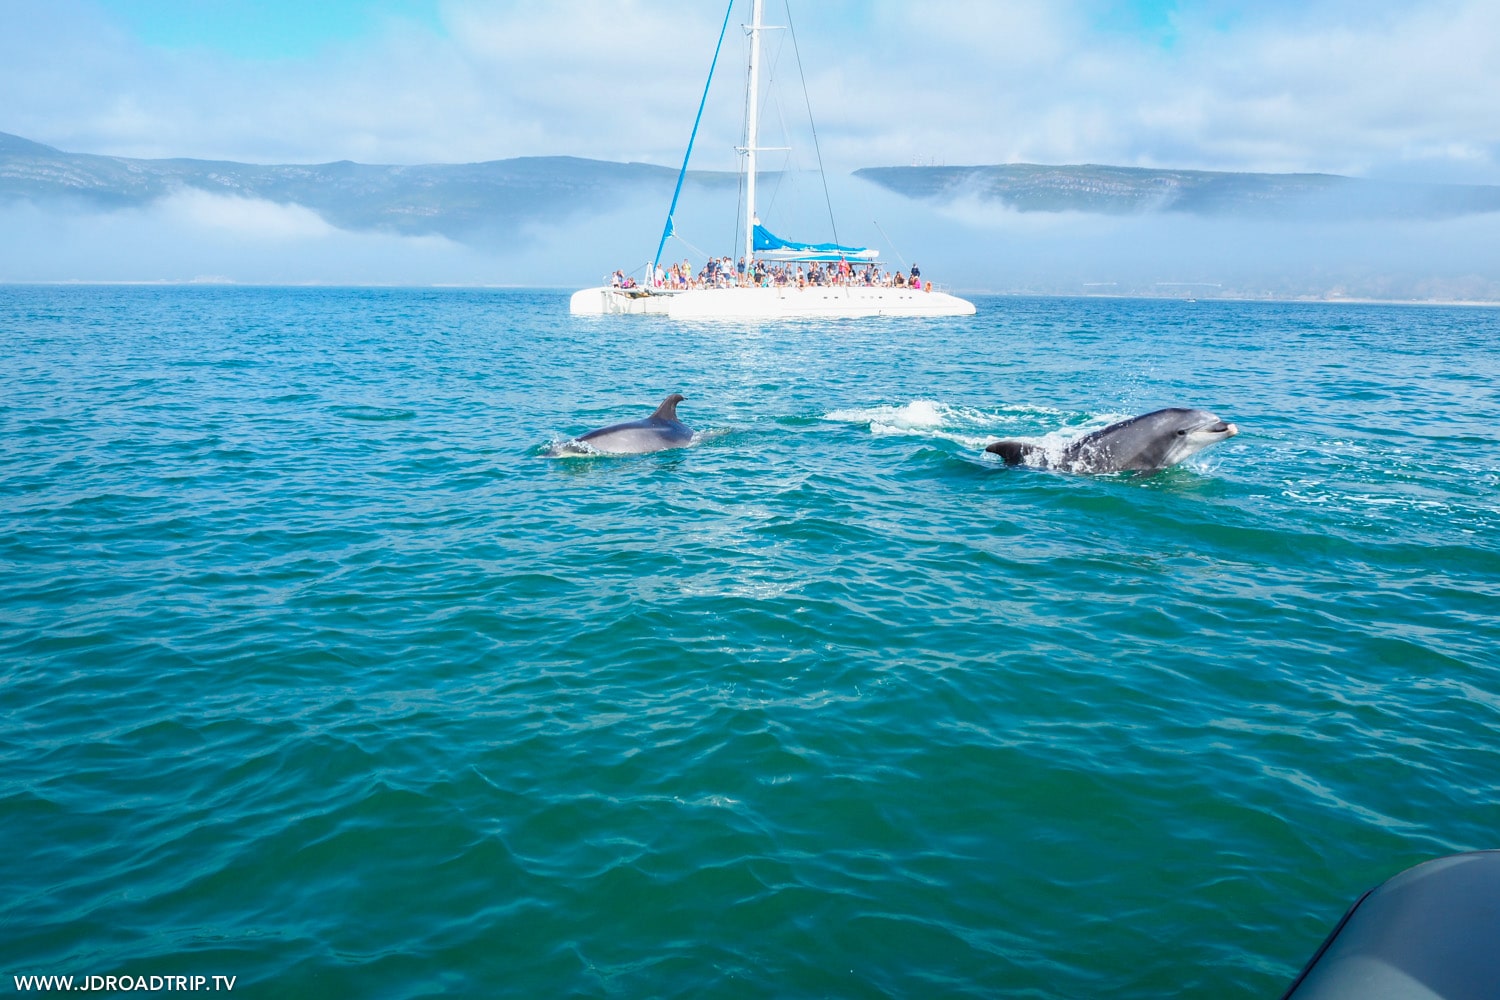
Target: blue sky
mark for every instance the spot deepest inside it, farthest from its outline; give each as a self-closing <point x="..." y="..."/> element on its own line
<point x="283" y="29"/>
<point x="1375" y="88"/>
<point x="264" y="29"/>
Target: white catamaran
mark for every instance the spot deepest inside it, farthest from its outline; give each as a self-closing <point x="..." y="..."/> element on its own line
<point x="750" y="293"/>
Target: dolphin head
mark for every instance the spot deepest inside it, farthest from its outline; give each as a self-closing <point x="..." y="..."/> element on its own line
<point x="1178" y="434"/>
<point x="1200" y="430"/>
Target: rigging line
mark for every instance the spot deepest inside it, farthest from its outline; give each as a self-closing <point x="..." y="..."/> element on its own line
<point x="891" y="244"/>
<point x="685" y="243"/>
<point x="790" y="165"/>
<point x="791" y="30"/>
<point x="780" y="175"/>
<point x="682" y="175"/>
<point x="739" y="210"/>
<point x="773" y="101"/>
<point x="765" y="206"/>
<point x="786" y="161"/>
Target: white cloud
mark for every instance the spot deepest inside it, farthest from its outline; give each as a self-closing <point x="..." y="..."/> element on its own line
<point x="1394" y="88"/>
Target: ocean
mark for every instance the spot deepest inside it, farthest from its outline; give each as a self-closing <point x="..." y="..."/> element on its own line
<point x="316" y="673"/>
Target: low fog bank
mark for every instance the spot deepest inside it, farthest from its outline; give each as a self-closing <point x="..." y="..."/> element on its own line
<point x="1183" y="255"/>
<point x="976" y="244"/>
<point x="1111" y="190"/>
<point x="194" y="236"/>
<point x="968" y="244"/>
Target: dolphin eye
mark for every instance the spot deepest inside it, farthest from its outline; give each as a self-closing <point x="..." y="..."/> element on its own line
<point x="1182" y="433"/>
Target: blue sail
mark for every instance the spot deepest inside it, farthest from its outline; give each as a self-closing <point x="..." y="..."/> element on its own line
<point x="669" y="229"/>
<point x="769" y="245"/>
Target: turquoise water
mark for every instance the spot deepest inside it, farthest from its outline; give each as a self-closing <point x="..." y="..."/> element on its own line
<point x="316" y="673"/>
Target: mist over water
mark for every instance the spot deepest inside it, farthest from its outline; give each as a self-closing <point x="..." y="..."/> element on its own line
<point x="965" y="242"/>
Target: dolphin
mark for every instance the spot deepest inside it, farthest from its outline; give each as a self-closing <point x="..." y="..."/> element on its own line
<point x="658" y="432"/>
<point x="1147" y="443"/>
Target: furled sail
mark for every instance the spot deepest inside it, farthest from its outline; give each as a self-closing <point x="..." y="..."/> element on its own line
<point x="773" y="247"/>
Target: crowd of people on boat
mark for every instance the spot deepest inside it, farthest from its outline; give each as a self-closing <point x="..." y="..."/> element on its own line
<point x="723" y="272"/>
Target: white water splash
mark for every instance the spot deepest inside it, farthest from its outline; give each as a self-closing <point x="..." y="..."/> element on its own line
<point x="964" y="425"/>
<point x="918" y="414"/>
<point x="1053" y="443"/>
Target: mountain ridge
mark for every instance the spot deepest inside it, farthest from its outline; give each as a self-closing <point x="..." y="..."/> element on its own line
<point x="492" y="200"/>
<point x="469" y="202"/>
<point x="1113" y="190"/>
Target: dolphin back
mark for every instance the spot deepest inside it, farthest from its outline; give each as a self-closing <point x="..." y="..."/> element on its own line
<point x="1144" y="444"/>
<point x="658" y="432"/>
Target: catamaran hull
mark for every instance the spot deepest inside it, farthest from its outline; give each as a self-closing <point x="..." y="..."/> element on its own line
<point x="770" y="303"/>
<point x="609" y="301"/>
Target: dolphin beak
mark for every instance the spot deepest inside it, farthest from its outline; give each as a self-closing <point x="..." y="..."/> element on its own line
<point x="1230" y="430"/>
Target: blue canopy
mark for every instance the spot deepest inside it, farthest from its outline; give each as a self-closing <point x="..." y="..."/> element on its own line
<point x="769" y="245"/>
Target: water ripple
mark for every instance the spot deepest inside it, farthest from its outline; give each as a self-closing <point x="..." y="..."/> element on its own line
<point x="315" y="674"/>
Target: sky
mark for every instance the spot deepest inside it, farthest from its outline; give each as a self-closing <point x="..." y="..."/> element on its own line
<point x="1381" y="89"/>
<point x="1374" y="88"/>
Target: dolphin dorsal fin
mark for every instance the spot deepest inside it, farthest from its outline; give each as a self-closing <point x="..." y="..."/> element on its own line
<point x="1014" y="452"/>
<point x="668" y="408"/>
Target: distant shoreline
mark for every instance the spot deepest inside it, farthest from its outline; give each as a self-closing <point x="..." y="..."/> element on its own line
<point x="1186" y="300"/>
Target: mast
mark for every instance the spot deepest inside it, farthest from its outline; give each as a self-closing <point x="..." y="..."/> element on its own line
<point x="752" y="112"/>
